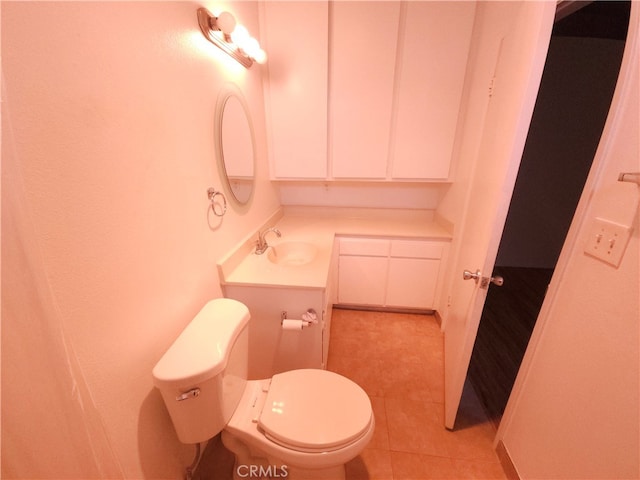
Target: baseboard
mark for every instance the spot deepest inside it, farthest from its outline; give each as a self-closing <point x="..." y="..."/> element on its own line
<point x="505" y="460"/>
<point x="366" y="308"/>
<point x="438" y="318"/>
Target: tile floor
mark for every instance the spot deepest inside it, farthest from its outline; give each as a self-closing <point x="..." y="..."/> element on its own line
<point x="398" y="360"/>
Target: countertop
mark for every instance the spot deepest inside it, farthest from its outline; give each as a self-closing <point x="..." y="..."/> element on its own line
<point x="244" y="267"/>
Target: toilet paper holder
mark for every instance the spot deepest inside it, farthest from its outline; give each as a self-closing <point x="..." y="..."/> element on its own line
<point x="308" y="318"/>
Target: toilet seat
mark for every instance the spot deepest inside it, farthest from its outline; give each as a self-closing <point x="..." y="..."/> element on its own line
<point x="313" y="410"/>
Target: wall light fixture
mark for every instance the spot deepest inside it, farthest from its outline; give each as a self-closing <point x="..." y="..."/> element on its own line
<point x="234" y="39"/>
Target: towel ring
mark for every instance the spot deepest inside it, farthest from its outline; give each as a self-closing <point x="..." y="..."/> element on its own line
<point x="212" y="193"/>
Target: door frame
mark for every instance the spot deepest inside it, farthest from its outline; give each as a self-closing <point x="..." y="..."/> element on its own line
<point x="549" y="261"/>
<point x="571" y="245"/>
<point x="528" y="32"/>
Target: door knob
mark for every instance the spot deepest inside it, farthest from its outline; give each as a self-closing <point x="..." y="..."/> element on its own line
<point x="498" y="281"/>
<point x="467" y="275"/>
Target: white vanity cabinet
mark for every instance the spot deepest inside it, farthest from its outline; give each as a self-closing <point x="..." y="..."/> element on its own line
<point x="272" y="349"/>
<point x="394" y="273"/>
<point x="362" y="268"/>
<point x="414" y="268"/>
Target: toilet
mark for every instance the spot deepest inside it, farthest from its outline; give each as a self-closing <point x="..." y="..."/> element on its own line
<point x="303" y="423"/>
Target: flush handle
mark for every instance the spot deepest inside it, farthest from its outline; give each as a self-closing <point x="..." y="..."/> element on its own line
<point x="193" y="393"/>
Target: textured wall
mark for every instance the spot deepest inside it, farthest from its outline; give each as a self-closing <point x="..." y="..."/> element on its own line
<point x="108" y="245"/>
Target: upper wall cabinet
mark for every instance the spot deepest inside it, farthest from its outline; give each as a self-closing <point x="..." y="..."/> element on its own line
<point x="432" y="65"/>
<point x="363" y="46"/>
<point x="296" y="39"/>
<point x="365" y="90"/>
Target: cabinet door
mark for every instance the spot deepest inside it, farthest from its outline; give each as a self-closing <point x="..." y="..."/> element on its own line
<point x="436" y="38"/>
<point x="296" y="40"/>
<point x="412" y="282"/>
<point x="361" y="280"/>
<point x="361" y="75"/>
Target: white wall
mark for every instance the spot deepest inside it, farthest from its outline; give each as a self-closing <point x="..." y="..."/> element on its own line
<point x="108" y="248"/>
<point x="574" y="413"/>
<point x="363" y="194"/>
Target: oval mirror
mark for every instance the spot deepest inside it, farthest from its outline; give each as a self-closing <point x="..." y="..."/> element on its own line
<point x="234" y="144"/>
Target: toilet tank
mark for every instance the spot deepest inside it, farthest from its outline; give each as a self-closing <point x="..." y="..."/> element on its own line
<point x="203" y="373"/>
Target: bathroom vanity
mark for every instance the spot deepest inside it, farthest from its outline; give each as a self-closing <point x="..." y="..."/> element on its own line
<point x="390" y="272"/>
<point x="381" y="259"/>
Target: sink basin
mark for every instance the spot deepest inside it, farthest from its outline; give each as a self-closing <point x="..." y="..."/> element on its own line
<point x="292" y="254"/>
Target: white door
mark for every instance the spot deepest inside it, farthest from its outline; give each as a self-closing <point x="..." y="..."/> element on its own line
<point x="516" y="80"/>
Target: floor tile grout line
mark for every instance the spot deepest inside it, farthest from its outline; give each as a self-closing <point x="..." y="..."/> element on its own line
<point x="451" y="459"/>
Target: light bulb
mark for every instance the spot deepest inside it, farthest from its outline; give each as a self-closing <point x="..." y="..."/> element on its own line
<point x="260" y="56"/>
<point x="251" y="47"/>
<point x="226" y="22"/>
<point x="240" y="35"/>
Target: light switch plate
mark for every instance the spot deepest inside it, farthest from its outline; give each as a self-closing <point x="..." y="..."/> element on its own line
<point x="607" y="241"/>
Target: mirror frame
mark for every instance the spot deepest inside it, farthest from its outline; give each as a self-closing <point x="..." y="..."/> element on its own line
<point x="227" y="92"/>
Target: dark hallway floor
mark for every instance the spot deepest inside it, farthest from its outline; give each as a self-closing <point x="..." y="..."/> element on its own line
<point x="508" y="318"/>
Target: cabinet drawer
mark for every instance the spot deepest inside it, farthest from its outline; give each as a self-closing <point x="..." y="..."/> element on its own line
<point x="416" y="249"/>
<point x="371" y="247"/>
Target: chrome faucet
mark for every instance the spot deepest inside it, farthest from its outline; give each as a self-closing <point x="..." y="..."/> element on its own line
<point x="261" y="243"/>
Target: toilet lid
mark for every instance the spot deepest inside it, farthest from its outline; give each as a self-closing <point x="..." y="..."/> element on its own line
<point x="314" y="410"/>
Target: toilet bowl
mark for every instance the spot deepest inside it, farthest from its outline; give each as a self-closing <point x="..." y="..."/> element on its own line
<point x="306" y="420"/>
<point x="303" y="423"/>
